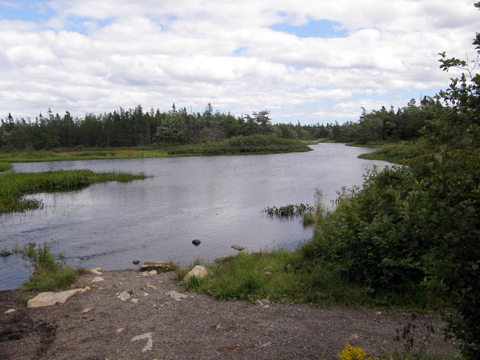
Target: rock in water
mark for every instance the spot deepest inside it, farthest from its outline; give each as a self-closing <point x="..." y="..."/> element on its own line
<point x="196" y="242"/>
<point x="237" y="247"/>
<point x="136" y="262"/>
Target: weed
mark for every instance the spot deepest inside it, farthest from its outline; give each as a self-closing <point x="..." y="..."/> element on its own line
<point x="47" y="273"/>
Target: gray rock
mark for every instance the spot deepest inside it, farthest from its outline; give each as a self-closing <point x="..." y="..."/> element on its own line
<point x="97" y="279"/>
<point x="51" y="298"/>
<point x="9" y="311"/>
<point x="124" y="296"/>
<point x="196" y="242"/>
<point x="136" y="262"/>
<point x="96" y="271"/>
<point x="159" y="266"/>
<point x="225" y="258"/>
<point x="175" y="295"/>
<point x="238" y="247"/>
<point x="146" y="336"/>
<point x="199" y="272"/>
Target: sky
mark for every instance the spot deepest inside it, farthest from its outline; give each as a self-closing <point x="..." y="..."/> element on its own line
<point x="313" y="61"/>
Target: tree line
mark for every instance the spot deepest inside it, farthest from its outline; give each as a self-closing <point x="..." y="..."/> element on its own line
<point x="136" y="127"/>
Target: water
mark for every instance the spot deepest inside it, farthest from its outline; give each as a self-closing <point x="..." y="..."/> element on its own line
<point x="215" y="199"/>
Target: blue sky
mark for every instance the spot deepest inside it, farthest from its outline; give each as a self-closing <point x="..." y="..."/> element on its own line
<point x="306" y="61"/>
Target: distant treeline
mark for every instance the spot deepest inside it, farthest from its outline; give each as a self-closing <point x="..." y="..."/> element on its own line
<point x="136" y="127"/>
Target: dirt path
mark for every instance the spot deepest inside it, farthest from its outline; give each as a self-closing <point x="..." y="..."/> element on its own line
<point x="97" y="325"/>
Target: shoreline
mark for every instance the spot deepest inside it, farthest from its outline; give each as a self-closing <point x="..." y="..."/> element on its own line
<point x="97" y="324"/>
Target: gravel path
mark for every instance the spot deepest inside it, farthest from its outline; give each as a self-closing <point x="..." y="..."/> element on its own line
<point x="151" y="324"/>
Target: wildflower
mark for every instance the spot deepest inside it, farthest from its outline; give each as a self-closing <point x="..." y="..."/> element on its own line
<point x="353" y="353"/>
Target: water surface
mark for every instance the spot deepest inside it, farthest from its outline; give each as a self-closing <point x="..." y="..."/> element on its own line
<point x="215" y="199"/>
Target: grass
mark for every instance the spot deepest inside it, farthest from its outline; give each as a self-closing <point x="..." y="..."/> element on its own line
<point x="5" y="167"/>
<point x="14" y="186"/>
<point x="285" y="277"/>
<point x="49" y="272"/>
<point x="248" y="145"/>
<point x="398" y="153"/>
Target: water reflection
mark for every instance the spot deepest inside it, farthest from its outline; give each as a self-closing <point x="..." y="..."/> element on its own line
<point x="215" y="199"/>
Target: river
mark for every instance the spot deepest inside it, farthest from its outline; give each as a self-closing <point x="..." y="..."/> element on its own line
<point x="218" y="200"/>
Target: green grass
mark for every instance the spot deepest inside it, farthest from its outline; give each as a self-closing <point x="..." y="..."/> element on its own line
<point x="5" y="167"/>
<point x="286" y="277"/>
<point x="48" y="273"/>
<point x="241" y="145"/>
<point x="398" y="153"/>
<point x="14" y="186"/>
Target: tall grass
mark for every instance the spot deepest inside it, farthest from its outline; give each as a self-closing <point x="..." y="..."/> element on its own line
<point x="5" y="166"/>
<point x="48" y="273"/>
<point x="14" y="186"/>
<point x="399" y="153"/>
<point x="244" y="145"/>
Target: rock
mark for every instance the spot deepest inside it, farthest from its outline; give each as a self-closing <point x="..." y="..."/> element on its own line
<point x="97" y="279"/>
<point x="135" y="301"/>
<point x="124" y="296"/>
<point x="9" y="311"/>
<point x="225" y="258"/>
<point x="159" y="266"/>
<point x="153" y="272"/>
<point x="354" y="337"/>
<point x="51" y="298"/>
<point x="196" y="242"/>
<point x="119" y="330"/>
<point x="267" y="273"/>
<point x="96" y="271"/>
<point x="136" y="262"/>
<point x="199" y="272"/>
<point x="146" y="336"/>
<point x="263" y="302"/>
<point x="5" y="253"/>
<point x="175" y="295"/>
<point x="86" y="288"/>
<point x="238" y="247"/>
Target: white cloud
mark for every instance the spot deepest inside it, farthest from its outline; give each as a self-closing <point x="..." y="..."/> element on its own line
<point x="92" y="56"/>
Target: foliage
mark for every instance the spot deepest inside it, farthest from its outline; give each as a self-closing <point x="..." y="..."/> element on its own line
<point x="288" y="210"/>
<point x="47" y="274"/>
<point x="14" y="186"/>
<point x="5" y="167"/>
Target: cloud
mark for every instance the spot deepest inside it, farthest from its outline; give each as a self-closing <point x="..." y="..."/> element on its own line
<point x="91" y="56"/>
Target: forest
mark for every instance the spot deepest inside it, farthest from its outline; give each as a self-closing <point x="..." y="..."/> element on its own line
<point x="136" y="127"/>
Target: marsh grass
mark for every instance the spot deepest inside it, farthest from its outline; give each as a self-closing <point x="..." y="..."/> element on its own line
<point x="255" y="144"/>
<point x="399" y="153"/>
<point x="14" y="186"/>
<point x="5" y="166"/>
<point x="48" y="272"/>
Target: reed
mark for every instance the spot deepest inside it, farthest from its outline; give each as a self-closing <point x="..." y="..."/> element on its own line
<point x="14" y="186"/>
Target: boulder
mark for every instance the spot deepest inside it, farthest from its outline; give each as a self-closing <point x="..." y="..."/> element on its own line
<point x="159" y="266"/>
<point x="199" y="272"/>
<point x="196" y="242"/>
<point x="146" y="336"/>
<point x="136" y="262"/>
<point x="238" y="247"/>
<point x="51" y="298"/>
<point x="225" y="258"/>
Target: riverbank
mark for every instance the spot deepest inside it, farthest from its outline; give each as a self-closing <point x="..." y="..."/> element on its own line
<point x="250" y="145"/>
<point x="96" y="324"/>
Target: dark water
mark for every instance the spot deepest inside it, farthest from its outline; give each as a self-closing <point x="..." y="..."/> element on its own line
<point x="215" y="199"/>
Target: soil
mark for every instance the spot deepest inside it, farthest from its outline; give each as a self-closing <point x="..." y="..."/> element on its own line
<point x="96" y="324"/>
